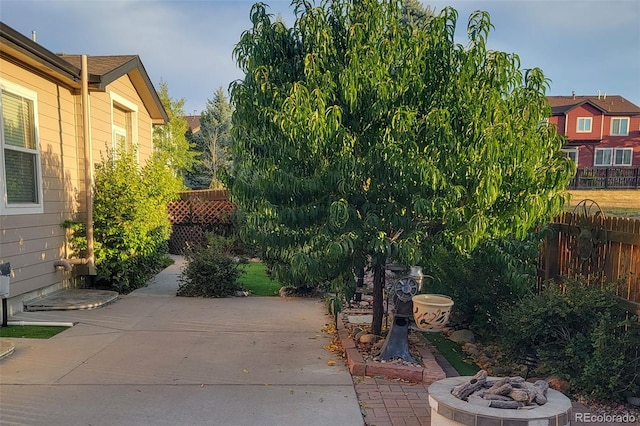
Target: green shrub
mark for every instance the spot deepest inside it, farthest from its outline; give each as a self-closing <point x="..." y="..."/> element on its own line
<point x="210" y="270"/>
<point x="498" y="272"/>
<point x="580" y="333"/>
<point x="131" y="225"/>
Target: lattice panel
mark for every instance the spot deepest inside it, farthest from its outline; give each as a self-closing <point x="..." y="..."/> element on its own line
<point x="185" y="236"/>
<point x="194" y="211"/>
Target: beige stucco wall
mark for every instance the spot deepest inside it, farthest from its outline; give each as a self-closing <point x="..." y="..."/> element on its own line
<point x="32" y="242"/>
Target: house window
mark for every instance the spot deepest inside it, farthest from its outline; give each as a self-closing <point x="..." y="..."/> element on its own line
<point x="620" y="126"/>
<point x="572" y="153"/>
<point x="603" y="157"/>
<point x="623" y="156"/>
<point x="124" y="118"/>
<point x="20" y="166"/>
<point x="584" y="125"/>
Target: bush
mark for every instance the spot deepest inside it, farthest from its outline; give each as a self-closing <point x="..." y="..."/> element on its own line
<point x="210" y="270"/>
<point x="498" y="272"/>
<point x="131" y="225"/>
<point x="579" y="333"/>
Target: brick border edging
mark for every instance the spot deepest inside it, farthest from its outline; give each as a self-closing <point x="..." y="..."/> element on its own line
<point x="431" y="372"/>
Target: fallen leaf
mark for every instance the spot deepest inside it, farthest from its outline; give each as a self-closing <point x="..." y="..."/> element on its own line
<point x="331" y="362"/>
<point x="245" y="371"/>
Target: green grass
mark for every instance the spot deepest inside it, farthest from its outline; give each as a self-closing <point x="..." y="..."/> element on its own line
<point x="452" y="353"/>
<point x="255" y="279"/>
<point x="31" y="331"/>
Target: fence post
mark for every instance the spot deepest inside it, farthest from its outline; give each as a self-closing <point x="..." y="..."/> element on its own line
<point x="551" y="255"/>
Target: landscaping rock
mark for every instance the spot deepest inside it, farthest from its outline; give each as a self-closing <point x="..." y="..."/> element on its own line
<point x="471" y="349"/>
<point x="462" y="336"/>
<point x="368" y="338"/>
<point x="558" y="384"/>
<point x="634" y="400"/>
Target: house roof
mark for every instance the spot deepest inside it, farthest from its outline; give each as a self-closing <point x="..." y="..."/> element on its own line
<point x="608" y="104"/>
<point x="194" y="122"/>
<point x="65" y="69"/>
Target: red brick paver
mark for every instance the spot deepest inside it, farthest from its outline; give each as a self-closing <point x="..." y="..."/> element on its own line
<point x="386" y="402"/>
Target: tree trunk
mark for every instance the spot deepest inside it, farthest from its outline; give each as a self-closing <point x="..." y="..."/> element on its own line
<point x="378" y="296"/>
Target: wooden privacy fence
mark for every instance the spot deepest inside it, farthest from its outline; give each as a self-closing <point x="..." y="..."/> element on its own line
<point x="606" y="177"/>
<point x="196" y="214"/>
<point x="598" y="248"/>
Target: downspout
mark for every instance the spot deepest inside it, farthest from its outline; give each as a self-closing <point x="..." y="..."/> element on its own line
<point x="89" y="260"/>
<point x="88" y="159"/>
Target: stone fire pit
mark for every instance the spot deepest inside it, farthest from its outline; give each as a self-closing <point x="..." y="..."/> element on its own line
<point x="448" y="410"/>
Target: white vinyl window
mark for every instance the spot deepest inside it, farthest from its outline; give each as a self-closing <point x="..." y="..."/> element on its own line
<point x="571" y="153"/>
<point x="20" y="167"/>
<point x="583" y="125"/>
<point x="623" y="157"/>
<point x="620" y="126"/>
<point x="603" y="157"/>
<point x="124" y="123"/>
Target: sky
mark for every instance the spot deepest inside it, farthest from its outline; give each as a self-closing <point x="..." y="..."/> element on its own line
<point x="583" y="46"/>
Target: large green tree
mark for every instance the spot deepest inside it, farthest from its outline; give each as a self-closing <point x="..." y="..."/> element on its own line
<point x="170" y="140"/>
<point x="213" y="142"/>
<point x="359" y="137"/>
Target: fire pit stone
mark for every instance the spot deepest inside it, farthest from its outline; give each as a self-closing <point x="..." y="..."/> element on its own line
<point x="447" y="410"/>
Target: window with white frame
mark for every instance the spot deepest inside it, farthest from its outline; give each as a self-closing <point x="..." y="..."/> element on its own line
<point x="623" y="157"/>
<point x="20" y="166"/>
<point x="571" y="153"/>
<point x="123" y="123"/>
<point x="583" y="125"/>
<point x="620" y="126"/>
<point x="603" y="157"/>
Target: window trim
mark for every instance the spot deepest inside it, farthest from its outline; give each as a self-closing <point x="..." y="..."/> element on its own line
<point x="586" y="120"/>
<point x="595" y="157"/>
<point x="613" y="157"/>
<point x="619" y="134"/>
<point x="575" y="151"/>
<point x="118" y="101"/>
<point x="22" y="208"/>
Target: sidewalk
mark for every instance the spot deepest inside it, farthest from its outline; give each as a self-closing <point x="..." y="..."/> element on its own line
<point x="152" y="358"/>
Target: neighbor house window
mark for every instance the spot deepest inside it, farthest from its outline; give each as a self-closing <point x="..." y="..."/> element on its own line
<point x="623" y="156"/>
<point x="571" y="153"/>
<point x="584" y="125"/>
<point x="603" y="157"/>
<point x="620" y="126"/>
<point x="20" y="167"/>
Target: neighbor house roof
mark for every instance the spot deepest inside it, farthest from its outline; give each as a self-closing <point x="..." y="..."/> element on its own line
<point x="65" y="69"/>
<point x="608" y="104"/>
<point x="194" y="122"/>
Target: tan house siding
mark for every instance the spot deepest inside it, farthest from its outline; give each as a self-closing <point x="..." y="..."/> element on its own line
<point x="33" y="241"/>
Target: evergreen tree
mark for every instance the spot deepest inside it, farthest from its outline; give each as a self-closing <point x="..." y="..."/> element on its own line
<point x="212" y="142"/>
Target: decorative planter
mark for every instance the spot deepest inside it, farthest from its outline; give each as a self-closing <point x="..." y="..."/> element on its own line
<point x="431" y="311"/>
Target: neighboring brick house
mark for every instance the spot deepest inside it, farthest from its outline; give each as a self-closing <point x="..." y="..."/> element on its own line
<point x="59" y="114"/>
<point x="600" y="130"/>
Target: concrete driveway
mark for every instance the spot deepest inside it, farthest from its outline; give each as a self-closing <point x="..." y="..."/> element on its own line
<point x="155" y="359"/>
